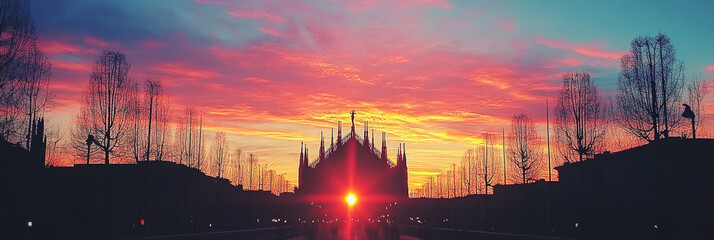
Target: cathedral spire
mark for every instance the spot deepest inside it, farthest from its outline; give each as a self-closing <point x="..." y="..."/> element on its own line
<point x="301" y="166"/>
<point x="372" y="147"/>
<point x="404" y="153"/>
<point x="302" y="159"/>
<point x="352" y="132"/>
<point x="322" y="147"/>
<point x="366" y="134"/>
<point x="404" y="172"/>
<point x="399" y="154"/>
<point x="339" y="133"/>
<point x="384" y="146"/>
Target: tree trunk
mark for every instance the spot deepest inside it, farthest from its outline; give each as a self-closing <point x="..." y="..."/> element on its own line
<point x="106" y="155"/>
<point x="148" y="138"/>
<point x="653" y="88"/>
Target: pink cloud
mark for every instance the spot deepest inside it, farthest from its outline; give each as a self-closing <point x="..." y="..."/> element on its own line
<point x="582" y="49"/>
<point x="52" y="47"/>
<point x="152" y="44"/>
<point x="272" y="17"/>
<point x="507" y="25"/>
<point x="84" y="45"/>
<point x="256" y="80"/>
<point x="95" y="42"/>
<point x="71" y="65"/>
<point x="211" y="2"/>
<point x="573" y="62"/>
<point x="179" y="69"/>
<point x="426" y="3"/>
<point x="357" y="5"/>
<point x="710" y="68"/>
<point x="272" y="32"/>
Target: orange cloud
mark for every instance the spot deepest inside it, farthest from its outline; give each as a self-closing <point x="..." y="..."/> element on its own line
<point x="495" y="77"/>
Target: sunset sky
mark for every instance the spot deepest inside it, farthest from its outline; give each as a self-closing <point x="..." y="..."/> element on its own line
<point x="434" y="74"/>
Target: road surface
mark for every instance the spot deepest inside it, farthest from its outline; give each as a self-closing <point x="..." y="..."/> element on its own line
<point x="356" y="232"/>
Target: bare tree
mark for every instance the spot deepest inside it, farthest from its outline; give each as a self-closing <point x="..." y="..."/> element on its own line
<point x="579" y="117"/>
<point x="280" y="181"/>
<point x="106" y="108"/>
<point x="468" y="162"/>
<point x="153" y="90"/>
<point x="238" y="165"/>
<point x="271" y="174"/>
<point x="54" y="149"/>
<point x="488" y="160"/>
<point x="18" y="44"/>
<point x="252" y="159"/>
<point x="15" y="22"/>
<point x="163" y="130"/>
<point x="650" y="84"/>
<point x="185" y="135"/>
<point x="199" y="155"/>
<point x="220" y="153"/>
<point x="191" y="139"/>
<point x="34" y="87"/>
<point x="136" y="134"/>
<point x="615" y="137"/>
<point x="523" y="148"/>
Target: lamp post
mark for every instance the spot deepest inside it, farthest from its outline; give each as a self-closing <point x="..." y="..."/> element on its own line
<point x="90" y="140"/>
<point x="688" y="113"/>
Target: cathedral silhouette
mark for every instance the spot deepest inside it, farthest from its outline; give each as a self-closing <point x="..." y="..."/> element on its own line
<point x="353" y="165"/>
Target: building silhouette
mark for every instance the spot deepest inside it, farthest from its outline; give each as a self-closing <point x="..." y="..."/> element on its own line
<point x="661" y="190"/>
<point x="353" y="165"/>
<point x="32" y="158"/>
